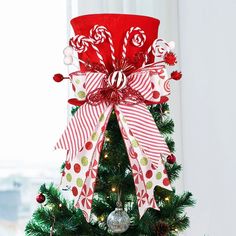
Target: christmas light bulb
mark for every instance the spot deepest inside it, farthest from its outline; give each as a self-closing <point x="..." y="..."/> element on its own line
<point x="113" y="189"/>
<point x="167" y="198"/>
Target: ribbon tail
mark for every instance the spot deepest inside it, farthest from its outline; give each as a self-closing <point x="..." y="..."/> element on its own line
<point x="138" y="175"/>
<point x="85" y="198"/>
<point x="145" y="147"/>
<point x="83" y="140"/>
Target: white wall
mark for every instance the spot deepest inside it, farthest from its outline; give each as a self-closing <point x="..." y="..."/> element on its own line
<point x="207" y="39"/>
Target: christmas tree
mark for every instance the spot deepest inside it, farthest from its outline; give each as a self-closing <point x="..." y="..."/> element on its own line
<point x="117" y="202"/>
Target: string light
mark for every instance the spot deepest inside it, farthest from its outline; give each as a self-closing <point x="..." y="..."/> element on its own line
<point x="106" y="156"/>
<point x="108" y="139"/>
<point x="176" y="230"/>
<point x="60" y="205"/>
<point x="167" y="112"/>
<point x="113" y="189"/>
<point x="167" y="199"/>
<point x="102" y="218"/>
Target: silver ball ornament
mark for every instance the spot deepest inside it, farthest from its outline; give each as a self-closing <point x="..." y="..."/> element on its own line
<point x="118" y="221"/>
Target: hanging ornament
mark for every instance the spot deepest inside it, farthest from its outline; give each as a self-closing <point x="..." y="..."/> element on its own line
<point x="171" y="159"/>
<point x="170" y="58"/>
<point x="176" y="75"/>
<point x="118" y="221"/>
<point x="40" y="198"/>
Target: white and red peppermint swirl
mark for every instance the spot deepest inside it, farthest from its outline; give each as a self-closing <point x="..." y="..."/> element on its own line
<point x="79" y="43"/>
<point x="160" y="47"/>
<point x="139" y="39"/>
<point x="167" y="86"/>
<point x="117" y="79"/>
<point x="98" y="34"/>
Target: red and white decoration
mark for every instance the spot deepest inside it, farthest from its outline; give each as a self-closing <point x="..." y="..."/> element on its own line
<point x="128" y="94"/>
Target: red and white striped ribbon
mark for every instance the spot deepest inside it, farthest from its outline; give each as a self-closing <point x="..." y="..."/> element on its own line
<point x="140" y="134"/>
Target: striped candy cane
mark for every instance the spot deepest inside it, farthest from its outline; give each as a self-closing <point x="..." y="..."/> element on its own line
<point x="138" y="40"/>
<point x="80" y="43"/>
<point x="98" y="34"/>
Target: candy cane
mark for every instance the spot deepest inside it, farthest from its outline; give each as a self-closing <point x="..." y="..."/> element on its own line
<point x="80" y="43"/>
<point x="97" y="33"/>
<point x="137" y="40"/>
<point x="101" y="60"/>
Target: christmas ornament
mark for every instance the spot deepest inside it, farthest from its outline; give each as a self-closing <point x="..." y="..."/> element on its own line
<point x="118" y="220"/>
<point x="58" y="77"/>
<point x="176" y="75"/>
<point x="171" y="159"/>
<point x="40" y="198"/>
<point x="112" y="78"/>
<point x="170" y="58"/>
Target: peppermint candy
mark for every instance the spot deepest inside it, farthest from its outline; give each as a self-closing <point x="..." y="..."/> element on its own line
<point x="160" y="47"/>
<point x="139" y="39"/>
<point x="98" y="34"/>
<point x="117" y="79"/>
<point x="80" y="43"/>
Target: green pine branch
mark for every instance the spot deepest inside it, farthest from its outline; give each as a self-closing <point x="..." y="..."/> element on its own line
<point x="114" y="172"/>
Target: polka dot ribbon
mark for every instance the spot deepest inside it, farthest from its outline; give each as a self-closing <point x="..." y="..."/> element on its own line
<point x="84" y="136"/>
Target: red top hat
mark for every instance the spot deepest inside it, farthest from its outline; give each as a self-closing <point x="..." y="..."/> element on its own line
<point x="142" y="29"/>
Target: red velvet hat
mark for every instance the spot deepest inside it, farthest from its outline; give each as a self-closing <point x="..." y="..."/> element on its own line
<point x="117" y="25"/>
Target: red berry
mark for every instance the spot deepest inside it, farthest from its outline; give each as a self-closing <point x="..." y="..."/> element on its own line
<point x="176" y="75"/>
<point x="58" y="78"/>
<point x="170" y="58"/>
<point x="68" y="165"/>
<point x="171" y="159"/>
<point x="40" y="198"/>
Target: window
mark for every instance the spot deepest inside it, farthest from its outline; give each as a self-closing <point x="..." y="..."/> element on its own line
<point x="33" y="107"/>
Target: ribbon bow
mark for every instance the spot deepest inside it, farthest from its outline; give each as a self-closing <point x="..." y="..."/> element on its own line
<point x="83" y="138"/>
